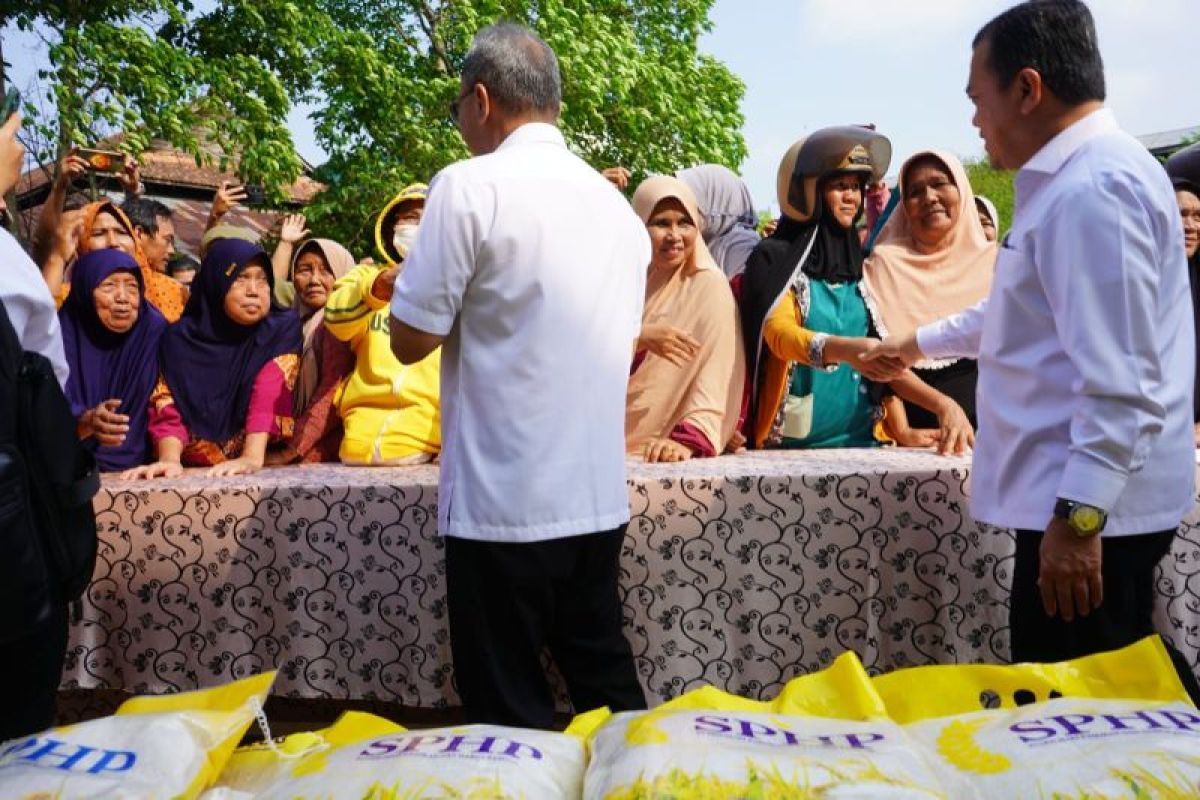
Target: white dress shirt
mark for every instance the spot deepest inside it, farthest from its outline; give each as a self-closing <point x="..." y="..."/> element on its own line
<point x="534" y="267"/>
<point x="1085" y="345"/>
<point x="30" y="307"/>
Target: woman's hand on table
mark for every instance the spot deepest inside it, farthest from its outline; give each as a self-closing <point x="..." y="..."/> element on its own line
<point x="280" y="458"/>
<point x="957" y="435"/>
<point x="660" y="451"/>
<point x="917" y="437"/>
<point x="159" y="469"/>
<point x="236" y="466"/>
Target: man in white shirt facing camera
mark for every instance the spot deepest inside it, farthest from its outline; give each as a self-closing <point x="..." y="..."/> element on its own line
<point x="531" y="268"/>
<point x="1085" y="345"/>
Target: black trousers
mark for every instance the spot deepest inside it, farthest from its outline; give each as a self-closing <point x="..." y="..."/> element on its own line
<point x="30" y="671"/>
<point x="508" y="601"/>
<point x="1125" y="616"/>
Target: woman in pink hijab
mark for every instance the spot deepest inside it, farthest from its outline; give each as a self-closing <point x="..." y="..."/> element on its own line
<point x="685" y="391"/>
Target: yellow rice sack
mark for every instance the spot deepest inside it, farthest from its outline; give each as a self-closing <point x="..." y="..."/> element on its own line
<point x="167" y="746"/>
<point x="1112" y="725"/>
<point x="363" y="757"/>
<point x="825" y="736"/>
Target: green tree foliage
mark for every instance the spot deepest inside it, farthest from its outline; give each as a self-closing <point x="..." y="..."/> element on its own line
<point x="994" y="184"/>
<point x="216" y="84"/>
<point x="636" y="92"/>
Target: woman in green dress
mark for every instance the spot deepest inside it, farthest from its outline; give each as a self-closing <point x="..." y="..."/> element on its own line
<point x="805" y="319"/>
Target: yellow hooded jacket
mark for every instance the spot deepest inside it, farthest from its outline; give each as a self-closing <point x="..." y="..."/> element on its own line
<point x="385" y="222"/>
<point x="389" y="411"/>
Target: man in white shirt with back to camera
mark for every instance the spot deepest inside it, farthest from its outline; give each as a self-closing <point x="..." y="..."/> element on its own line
<point x="1085" y="345"/>
<point x="30" y="661"/>
<point x="531" y="267"/>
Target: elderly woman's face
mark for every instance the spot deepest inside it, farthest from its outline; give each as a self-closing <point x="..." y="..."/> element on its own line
<point x="108" y="233"/>
<point x="672" y="235"/>
<point x="1189" y="209"/>
<point x="989" y="227"/>
<point x="248" y="300"/>
<point x="931" y="203"/>
<point x="843" y="196"/>
<point x="117" y="300"/>
<point x="313" y="278"/>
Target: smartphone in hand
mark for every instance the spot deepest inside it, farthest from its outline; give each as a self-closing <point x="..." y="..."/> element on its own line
<point x="256" y="195"/>
<point x="107" y="162"/>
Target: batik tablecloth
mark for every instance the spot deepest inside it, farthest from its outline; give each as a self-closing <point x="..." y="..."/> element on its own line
<point x="741" y="572"/>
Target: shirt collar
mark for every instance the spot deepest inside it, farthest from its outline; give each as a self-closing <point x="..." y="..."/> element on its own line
<point x="1058" y="150"/>
<point x="534" y="133"/>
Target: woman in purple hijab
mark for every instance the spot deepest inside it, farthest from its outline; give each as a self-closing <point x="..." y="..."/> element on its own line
<point x="227" y="369"/>
<point x="111" y="335"/>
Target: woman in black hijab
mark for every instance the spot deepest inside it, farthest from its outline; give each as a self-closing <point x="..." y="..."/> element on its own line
<point x="804" y="319"/>
<point x="1184" y="169"/>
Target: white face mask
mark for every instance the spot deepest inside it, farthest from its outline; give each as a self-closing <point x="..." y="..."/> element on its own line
<point x="402" y="239"/>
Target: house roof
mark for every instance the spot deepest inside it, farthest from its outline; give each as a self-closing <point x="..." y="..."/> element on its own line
<point x="1167" y="141"/>
<point x="165" y="168"/>
<point x="189" y="216"/>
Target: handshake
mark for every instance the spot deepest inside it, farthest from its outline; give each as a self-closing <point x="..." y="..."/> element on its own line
<point x="878" y="361"/>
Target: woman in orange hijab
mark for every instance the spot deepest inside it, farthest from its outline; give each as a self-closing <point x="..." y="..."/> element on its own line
<point x="104" y="225"/>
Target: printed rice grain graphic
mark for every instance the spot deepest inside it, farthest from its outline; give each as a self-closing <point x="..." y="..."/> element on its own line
<point x="765" y="783"/>
<point x="957" y="745"/>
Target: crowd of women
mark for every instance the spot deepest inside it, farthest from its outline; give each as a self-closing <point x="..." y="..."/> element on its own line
<point x="747" y="339"/>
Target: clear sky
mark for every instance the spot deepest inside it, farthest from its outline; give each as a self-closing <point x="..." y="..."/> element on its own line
<point x="901" y="64"/>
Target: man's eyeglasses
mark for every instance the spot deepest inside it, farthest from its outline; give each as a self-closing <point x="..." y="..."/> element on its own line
<point x="454" y="109"/>
<point x="455" y="105"/>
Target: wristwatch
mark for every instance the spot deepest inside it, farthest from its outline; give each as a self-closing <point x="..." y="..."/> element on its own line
<point x="1084" y="520"/>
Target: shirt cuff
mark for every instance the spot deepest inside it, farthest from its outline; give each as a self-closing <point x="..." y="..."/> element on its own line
<point x="166" y="422"/>
<point x="419" y="318"/>
<point x="933" y="342"/>
<point x="270" y="400"/>
<point x="1089" y="482"/>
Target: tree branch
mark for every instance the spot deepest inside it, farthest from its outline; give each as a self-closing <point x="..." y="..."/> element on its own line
<point x="429" y="24"/>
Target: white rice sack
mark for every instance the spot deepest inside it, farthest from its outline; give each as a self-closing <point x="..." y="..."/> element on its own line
<point x="1069" y="749"/>
<point x="170" y="746"/>
<point x="474" y="761"/>
<point x="740" y="754"/>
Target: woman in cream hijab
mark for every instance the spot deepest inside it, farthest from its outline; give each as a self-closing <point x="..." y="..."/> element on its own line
<point x="324" y="361"/>
<point x="686" y="387"/>
<point x="931" y="259"/>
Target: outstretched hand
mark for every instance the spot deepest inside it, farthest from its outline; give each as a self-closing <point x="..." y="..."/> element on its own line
<point x="899" y="351"/>
<point x="225" y="198"/>
<point x="877" y="368"/>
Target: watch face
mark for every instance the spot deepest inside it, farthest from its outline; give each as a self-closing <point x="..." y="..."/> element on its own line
<point x="1086" y="519"/>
